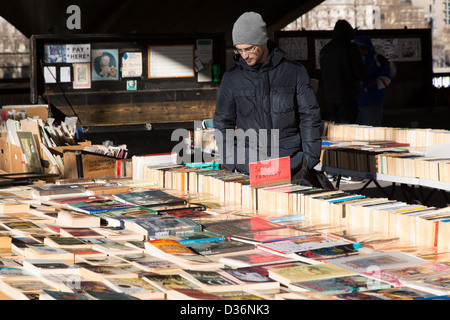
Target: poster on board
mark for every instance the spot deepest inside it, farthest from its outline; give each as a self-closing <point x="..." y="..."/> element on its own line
<point x="105" y="64"/>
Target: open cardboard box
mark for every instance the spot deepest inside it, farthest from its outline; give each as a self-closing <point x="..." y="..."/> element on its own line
<point x="11" y="160"/>
<point x="87" y="165"/>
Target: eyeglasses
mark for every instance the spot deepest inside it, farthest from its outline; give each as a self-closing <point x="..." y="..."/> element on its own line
<point x="245" y="50"/>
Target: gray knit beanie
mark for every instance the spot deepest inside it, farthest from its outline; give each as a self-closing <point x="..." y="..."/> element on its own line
<point x="250" y="28"/>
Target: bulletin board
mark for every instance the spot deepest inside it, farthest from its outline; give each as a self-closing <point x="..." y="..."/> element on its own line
<point x="128" y="79"/>
<point x="410" y="51"/>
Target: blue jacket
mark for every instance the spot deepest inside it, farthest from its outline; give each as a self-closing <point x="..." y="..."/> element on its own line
<point x="274" y="95"/>
<point x="373" y="90"/>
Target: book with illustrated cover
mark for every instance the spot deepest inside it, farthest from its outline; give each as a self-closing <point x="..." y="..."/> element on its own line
<point x="135" y="287"/>
<point x="153" y="264"/>
<point x="161" y="226"/>
<point x="291" y="248"/>
<point x="77" y="199"/>
<point x="252" y="278"/>
<point x="212" y="281"/>
<point x="100" y="273"/>
<point x="79" y="232"/>
<point x="288" y="275"/>
<point x="18" y="244"/>
<point x="436" y="284"/>
<point x="61" y="295"/>
<point x="271" y="235"/>
<point x="401" y="293"/>
<point x="239" y="226"/>
<point x="254" y="258"/>
<point x="396" y="276"/>
<point x="40" y="267"/>
<point x="116" y="218"/>
<point x="193" y="237"/>
<point x="96" y="206"/>
<point x="149" y="198"/>
<point x="352" y="283"/>
<point x="184" y="210"/>
<point x="378" y="260"/>
<point x="191" y="294"/>
<point x="334" y="252"/>
<point x="14" y="272"/>
<point x="166" y="282"/>
<point x="57" y="241"/>
<point x="177" y="253"/>
<point x="51" y="189"/>
<point x="118" y="234"/>
<point x="92" y="286"/>
<point x="45" y="252"/>
<point x="25" y="289"/>
<point x="111" y="247"/>
<point x="110" y="296"/>
<point x="219" y="247"/>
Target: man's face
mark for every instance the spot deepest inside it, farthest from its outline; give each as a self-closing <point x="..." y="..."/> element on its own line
<point x="251" y="54"/>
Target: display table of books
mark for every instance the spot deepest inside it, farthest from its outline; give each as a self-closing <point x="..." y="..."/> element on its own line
<point x="213" y="237"/>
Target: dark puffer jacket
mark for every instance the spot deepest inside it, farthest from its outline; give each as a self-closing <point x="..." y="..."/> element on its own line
<point x="342" y="66"/>
<point x="274" y="95"/>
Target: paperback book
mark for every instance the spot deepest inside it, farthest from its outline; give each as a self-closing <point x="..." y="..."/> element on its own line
<point x="166" y="282"/>
<point x="177" y="253"/>
<point x="398" y="276"/>
<point x="250" y="259"/>
<point x="212" y="281"/>
<point x="136" y="287"/>
<point x="51" y="189"/>
<point x="401" y="293"/>
<point x="96" y="206"/>
<point x="116" y="218"/>
<point x="271" y="235"/>
<point x="239" y="226"/>
<point x="377" y="261"/>
<point x="351" y="283"/>
<point x="292" y="248"/>
<point x="289" y="275"/>
<point x="194" y="237"/>
<point x="252" y="278"/>
<point x="162" y="226"/>
<point x="220" y="247"/>
<point x="149" y="198"/>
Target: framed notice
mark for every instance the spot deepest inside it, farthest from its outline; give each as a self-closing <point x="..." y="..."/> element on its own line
<point x="409" y="49"/>
<point x="171" y="61"/>
<point x="82" y="76"/>
<point x="132" y="64"/>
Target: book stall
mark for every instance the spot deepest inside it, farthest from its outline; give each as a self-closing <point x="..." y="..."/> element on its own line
<point x="166" y="231"/>
<point x="408" y="157"/>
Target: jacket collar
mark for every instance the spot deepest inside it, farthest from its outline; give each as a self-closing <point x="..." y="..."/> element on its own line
<point x="276" y="55"/>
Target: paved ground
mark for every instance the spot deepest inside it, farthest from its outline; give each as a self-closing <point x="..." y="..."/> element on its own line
<point x="409" y="194"/>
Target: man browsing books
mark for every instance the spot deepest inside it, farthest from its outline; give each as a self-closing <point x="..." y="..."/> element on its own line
<point x="266" y="107"/>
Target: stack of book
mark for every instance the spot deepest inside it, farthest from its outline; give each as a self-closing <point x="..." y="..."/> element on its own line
<point x="300" y="243"/>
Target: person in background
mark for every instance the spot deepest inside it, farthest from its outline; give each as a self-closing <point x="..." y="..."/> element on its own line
<point x="342" y="70"/>
<point x="373" y="91"/>
<point x="267" y="94"/>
